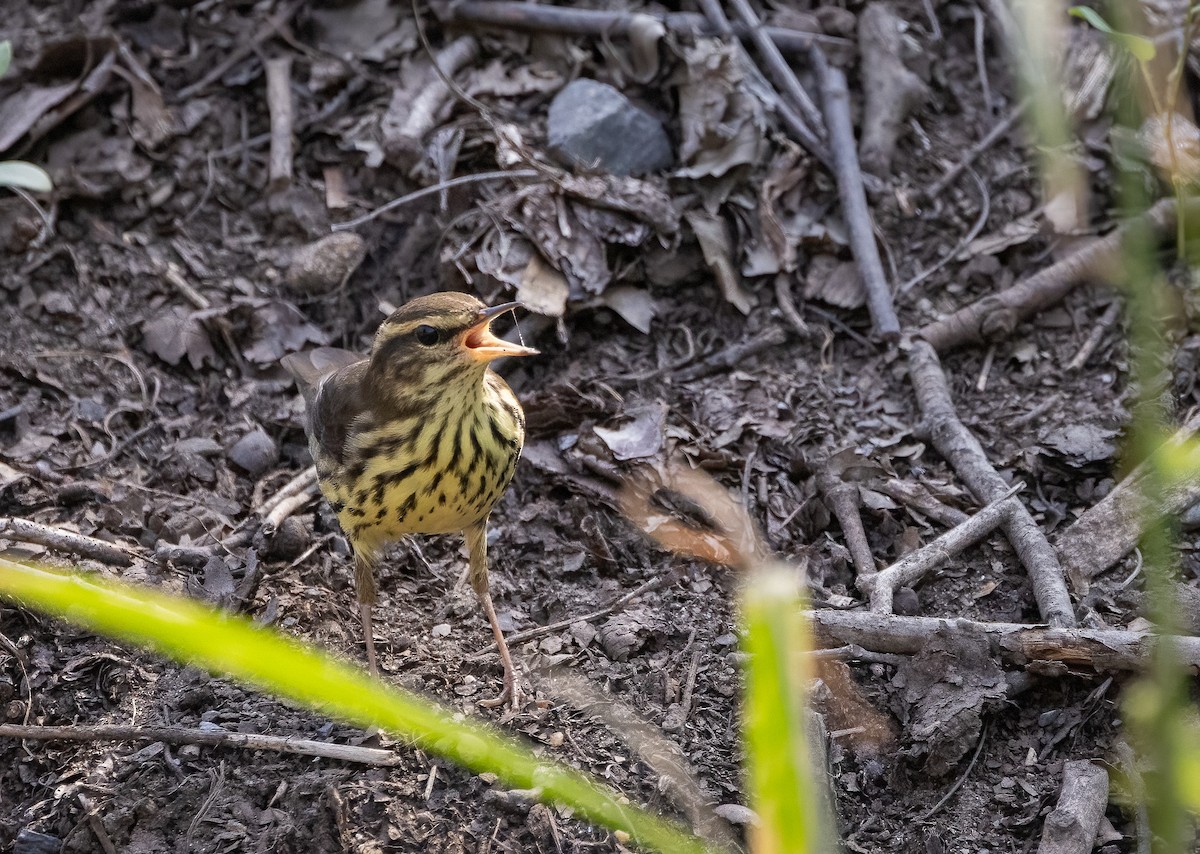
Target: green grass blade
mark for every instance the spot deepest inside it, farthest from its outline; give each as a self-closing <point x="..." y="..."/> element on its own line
<point x="783" y="785"/>
<point x="230" y="645"/>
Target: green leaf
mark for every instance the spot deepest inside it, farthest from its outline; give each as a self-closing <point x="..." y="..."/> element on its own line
<point x="1142" y="48"/>
<point x="18" y="173"/>
<point x="5" y="56"/>
<point x="783" y="784"/>
<point x="190" y="632"/>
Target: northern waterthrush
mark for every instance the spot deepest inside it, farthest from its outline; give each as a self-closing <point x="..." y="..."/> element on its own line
<point x="420" y="437"/>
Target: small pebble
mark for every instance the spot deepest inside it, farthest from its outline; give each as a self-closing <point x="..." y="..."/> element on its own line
<point x="673" y="720"/>
<point x="592" y="126"/>
<point x="555" y="739"/>
<point x="31" y="842"/>
<point x="254" y="453"/>
<point x="441" y="630"/>
<point x="289" y="541"/>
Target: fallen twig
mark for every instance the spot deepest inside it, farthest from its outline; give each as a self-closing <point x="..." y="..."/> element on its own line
<point x="1071" y="827"/>
<point x="1096" y="335"/>
<point x="842" y="499"/>
<point x="881" y="585"/>
<point x="26" y="531"/>
<point x="809" y="137"/>
<point x="279" y="105"/>
<point x="204" y="737"/>
<point x="996" y="316"/>
<point x="732" y="356"/>
<point x="409" y="120"/>
<point x="1094" y="649"/>
<point x="298" y="484"/>
<point x="546" y="18"/>
<point x="915" y="496"/>
<point x="777" y="68"/>
<point x="269" y="28"/>
<point x="1110" y="529"/>
<point x="835" y="98"/>
<point x="1000" y="129"/>
<point x="97" y="826"/>
<point x="287" y="507"/>
<point x="416" y="195"/>
<point x="962" y="450"/>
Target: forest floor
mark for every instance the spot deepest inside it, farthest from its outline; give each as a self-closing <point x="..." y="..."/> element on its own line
<point x="141" y="402"/>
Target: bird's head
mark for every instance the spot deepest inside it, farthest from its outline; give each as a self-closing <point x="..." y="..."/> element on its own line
<point x="442" y="336"/>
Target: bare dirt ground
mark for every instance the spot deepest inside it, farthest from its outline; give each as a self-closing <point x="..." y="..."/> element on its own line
<point x="139" y="349"/>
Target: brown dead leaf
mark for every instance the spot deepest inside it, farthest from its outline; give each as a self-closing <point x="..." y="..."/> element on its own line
<point x="542" y="289"/>
<point x="640" y="434"/>
<point x="280" y="328"/>
<point x="717" y="245"/>
<point x="644" y="199"/>
<point x="503" y="79"/>
<point x="68" y="74"/>
<point x="783" y="177"/>
<point x="721" y="123"/>
<point x="835" y="282"/>
<point x="634" y="305"/>
<point x="367" y="29"/>
<point x="175" y="333"/>
<point x="550" y="223"/>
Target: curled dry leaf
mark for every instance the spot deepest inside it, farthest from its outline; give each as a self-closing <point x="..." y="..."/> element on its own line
<point x="641" y="434"/>
<point x="67" y="76"/>
<point x="542" y="288"/>
<point x="634" y="305"/>
<point x="717" y="246"/>
<point x="549" y="221"/>
<point x="175" y="333"/>
<point x="644" y="34"/>
<point x="367" y="30"/>
<point x="835" y="282"/>
<point x="280" y="328"/>
<point x="721" y="123"/>
<point x="644" y="200"/>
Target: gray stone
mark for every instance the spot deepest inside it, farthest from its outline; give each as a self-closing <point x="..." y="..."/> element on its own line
<point x="254" y="453"/>
<point x="593" y="126"/>
<point x="31" y="842"/>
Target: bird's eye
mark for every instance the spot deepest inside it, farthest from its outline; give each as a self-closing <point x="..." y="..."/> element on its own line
<point x="426" y="335"/>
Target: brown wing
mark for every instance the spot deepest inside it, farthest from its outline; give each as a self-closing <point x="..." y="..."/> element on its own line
<point x="312" y="366"/>
<point x="331" y="382"/>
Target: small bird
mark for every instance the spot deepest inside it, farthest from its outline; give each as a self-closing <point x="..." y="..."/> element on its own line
<point x="420" y="437"/>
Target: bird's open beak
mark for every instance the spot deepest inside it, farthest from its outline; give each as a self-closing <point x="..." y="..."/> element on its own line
<point x="479" y="341"/>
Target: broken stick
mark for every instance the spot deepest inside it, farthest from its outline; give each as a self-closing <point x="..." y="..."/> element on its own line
<point x="881" y="585"/>
<point x="1093" y="649"/>
<point x="59" y="539"/>
<point x="1110" y="529"/>
<point x="212" y="738"/>
<point x="996" y="316"/>
<point x="1071" y="828"/>
<point x="279" y="105"/>
<point x="959" y="447"/>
